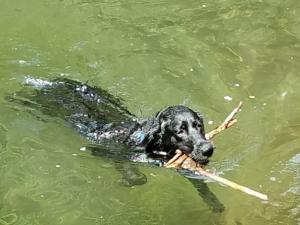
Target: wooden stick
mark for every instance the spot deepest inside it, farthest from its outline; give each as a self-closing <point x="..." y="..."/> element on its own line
<point x="175" y="157"/>
<point x="228" y="122"/>
<point x="181" y="160"/>
<point x="231" y="184"/>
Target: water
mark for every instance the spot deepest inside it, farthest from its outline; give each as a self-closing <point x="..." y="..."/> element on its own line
<point x="153" y="54"/>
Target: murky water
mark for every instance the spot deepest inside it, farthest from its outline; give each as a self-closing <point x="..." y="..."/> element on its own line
<point x="153" y="54"/>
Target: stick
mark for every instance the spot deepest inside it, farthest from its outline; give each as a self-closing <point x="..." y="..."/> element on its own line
<point x="181" y="157"/>
<point x="232" y="184"/>
<point x="186" y="162"/>
<point x="175" y="157"/>
<point x="181" y="160"/>
<point x="228" y="122"/>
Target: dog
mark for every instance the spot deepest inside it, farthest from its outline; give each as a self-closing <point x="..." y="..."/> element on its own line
<point x="117" y="133"/>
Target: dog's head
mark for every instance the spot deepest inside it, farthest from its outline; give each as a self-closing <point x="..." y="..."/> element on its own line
<point x="179" y="127"/>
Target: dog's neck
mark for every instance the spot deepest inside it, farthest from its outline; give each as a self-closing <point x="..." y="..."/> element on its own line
<point x="137" y="133"/>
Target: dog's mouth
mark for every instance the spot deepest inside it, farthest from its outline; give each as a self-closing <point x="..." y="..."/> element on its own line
<point x="161" y="157"/>
<point x="203" y="160"/>
<point x="200" y="157"/>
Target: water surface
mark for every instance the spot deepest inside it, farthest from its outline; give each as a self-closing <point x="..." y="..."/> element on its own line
<point x="152" y="54"/>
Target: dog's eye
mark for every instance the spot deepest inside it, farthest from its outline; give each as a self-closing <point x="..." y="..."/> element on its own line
<point x="183" y="127"/>
<point x="180" y="131"/>
<point x="195" y="125"/>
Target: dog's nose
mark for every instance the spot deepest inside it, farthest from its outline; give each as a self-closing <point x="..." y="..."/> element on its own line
<point x="207" y="148"/>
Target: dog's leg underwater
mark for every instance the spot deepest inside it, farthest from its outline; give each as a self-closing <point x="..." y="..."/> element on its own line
<point x="208" y="197"/>
<point x="131" y="175"/>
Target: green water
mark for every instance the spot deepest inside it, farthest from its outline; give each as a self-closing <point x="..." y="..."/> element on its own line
<point x="153" y="54"/>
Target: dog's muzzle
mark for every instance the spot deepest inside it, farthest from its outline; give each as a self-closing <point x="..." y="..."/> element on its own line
<point x="206" y="148"/>
<point x="202" y="151"/>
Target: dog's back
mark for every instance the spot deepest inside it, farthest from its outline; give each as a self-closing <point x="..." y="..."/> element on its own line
<point x="84" y="107"/>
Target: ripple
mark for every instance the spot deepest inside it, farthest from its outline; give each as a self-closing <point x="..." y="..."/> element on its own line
<point x="8" y="219"/>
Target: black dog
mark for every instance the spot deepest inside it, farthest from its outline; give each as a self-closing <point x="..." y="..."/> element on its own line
<point x="118" y="133"/>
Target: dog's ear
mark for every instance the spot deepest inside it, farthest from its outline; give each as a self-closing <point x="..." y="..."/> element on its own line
<point x="151" y="130"/>
<point x="154" y="129"/>
<point x="199" y="115"/>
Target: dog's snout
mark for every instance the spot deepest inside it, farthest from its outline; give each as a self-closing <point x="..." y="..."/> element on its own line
<point x="206" y="148"/>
